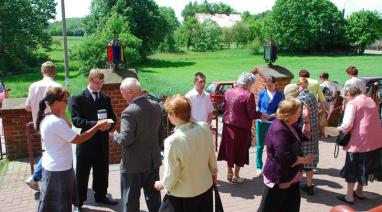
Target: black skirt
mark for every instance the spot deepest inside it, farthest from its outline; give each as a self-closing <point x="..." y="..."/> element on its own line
<point x="57" y="191"/>
<point x="200" y="203"/>
<point x="363" y="167"/>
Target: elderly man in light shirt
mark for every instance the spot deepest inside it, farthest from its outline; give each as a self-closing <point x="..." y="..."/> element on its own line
<point x="201" y="105"/>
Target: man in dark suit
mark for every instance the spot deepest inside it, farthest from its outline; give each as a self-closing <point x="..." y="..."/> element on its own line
<point x="89" y="106"/>
<point x="142" y="134"/>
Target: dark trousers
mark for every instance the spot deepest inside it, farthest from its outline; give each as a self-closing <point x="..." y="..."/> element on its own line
<point x="200" y="203"/>
<point x="276" y="199"/>
<point x="100" y="165"/>
<point x="131" y="185"/>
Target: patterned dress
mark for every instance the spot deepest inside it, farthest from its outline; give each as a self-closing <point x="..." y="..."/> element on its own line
<point x="311" y="146"/>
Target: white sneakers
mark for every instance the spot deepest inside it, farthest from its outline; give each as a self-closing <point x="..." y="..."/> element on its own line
<point x="259" y="172"/>
<point x="32" y="183"/>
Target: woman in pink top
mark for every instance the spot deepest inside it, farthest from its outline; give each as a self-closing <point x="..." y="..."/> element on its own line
<point x="364" y="150"/>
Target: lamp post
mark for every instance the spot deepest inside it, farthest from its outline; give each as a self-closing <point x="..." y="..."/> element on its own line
<point x="67" y="79"/>
<point x="270" y="52"/>
<point x="114" y="53"/>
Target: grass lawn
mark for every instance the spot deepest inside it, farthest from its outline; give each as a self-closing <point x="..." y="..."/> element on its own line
<point x="167" y="73"/>
<point x="173" y="73"/>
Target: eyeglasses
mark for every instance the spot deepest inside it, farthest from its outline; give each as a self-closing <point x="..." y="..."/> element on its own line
<point x="97" y="81"/>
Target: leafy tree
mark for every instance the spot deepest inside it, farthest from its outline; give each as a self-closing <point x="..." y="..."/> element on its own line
<point x="185" y="34"/>
<point x="92" y="51"/>
<point x="168" y="43"/>
<point x="207" y="37"/>
<point x="227" y="36"/>
<point x="143" y="18"/>
<point x="74" y="27"/>
<point x="22" y="31"/>
<point x="241" y="34"/>
<point x="306" y="25"/>
<point x="194" y="7"/>
<point x="362" y="29"/>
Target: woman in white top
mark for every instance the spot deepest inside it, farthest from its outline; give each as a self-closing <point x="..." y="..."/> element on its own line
<point x="189" y="161"/>
<point x="57" y="137"/>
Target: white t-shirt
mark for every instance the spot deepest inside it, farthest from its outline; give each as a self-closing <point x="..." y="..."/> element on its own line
<point x="37" y="92"/>
<point x="56" y="136"/>
<point x="357" y="82"/>
<point x="201" y="105"/>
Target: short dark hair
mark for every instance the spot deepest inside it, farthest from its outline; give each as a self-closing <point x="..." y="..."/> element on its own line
<point x="199" y="74"/>
<point x="304" y="73"/>
<point x="270" y="79"/>
<point x="324" y="75"/>
<point x="352" y="70"/>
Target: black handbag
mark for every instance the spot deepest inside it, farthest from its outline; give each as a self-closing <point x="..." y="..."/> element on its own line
<point x="341" y="140"/>
<point x="218" y="201"/>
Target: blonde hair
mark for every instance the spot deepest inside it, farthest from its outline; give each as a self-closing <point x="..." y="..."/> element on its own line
<point x="302" y="80"/>
<point x="96" y="73"/>
<point x="287" y="108"/>
<point x="179" y="106"/>
<point x="49" y="69"/>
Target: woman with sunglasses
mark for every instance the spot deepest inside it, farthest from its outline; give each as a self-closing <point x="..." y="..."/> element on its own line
<point x="57" y="136"/>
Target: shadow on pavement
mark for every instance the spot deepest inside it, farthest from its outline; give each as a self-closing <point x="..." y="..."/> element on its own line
<point x="247" y="190"/>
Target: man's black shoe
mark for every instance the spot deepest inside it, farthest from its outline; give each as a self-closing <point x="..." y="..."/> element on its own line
<point x="77" y="209"/>
<point x="106" y="201"/>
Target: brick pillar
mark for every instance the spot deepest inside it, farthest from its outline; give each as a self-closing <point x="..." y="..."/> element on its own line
<point x="111" y="86"/>
<point x="15" y="118"/>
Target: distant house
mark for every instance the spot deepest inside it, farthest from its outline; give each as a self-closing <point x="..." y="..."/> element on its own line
<point x="222" y="20"/>
<point x="377" y="45"/>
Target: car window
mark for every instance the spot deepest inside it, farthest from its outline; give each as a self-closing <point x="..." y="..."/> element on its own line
<point x="210" y="87"/>
<point x="224" y="88"/>
<point x="1" y="88"/>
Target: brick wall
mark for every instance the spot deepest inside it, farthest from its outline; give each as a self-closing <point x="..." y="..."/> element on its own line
<point x="15" y="119"/>
<point x="119" y="104"/>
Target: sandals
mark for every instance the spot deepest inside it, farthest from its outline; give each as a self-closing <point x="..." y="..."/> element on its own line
<point x="358" y="196"/>
<point x="229" y="177"/>
<point x="238" y="180"/>
<point x="343" y="199"/>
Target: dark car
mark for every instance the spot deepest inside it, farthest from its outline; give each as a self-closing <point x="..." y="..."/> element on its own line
<point x="374" y="90"/>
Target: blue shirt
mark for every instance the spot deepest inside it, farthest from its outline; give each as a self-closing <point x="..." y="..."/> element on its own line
<point x="266" y="106"/>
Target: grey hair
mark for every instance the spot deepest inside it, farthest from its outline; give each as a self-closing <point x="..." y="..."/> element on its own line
<point x="245" y="79"/>
<point x="130" y="84"/>
<point x="352" y="90"/>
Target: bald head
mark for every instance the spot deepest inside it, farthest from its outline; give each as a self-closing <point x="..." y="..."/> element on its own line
<point x="130" y="89"/>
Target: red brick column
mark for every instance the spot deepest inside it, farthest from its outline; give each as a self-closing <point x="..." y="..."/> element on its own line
<point x="113" y="81"/>
<point x="15" y="119"/>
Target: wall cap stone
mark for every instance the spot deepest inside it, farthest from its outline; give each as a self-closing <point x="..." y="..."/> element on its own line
<point x="279" y="72"/>
<point x="14" y="104"/>
<point x="117" y="76"/>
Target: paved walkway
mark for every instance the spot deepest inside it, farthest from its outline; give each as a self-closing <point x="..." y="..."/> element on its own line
<point x="16" y="196"/>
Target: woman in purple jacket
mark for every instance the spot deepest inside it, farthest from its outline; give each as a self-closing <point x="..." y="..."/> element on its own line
<point x="239" y="111"/>
<point x="282" y="170"/>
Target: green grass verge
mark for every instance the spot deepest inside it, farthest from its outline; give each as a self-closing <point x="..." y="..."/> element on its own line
<point x="3" y="167"/>
<point x="168" y="73"/>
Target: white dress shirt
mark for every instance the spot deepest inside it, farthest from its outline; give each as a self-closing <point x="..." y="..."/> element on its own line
<point x="201" y="105"/>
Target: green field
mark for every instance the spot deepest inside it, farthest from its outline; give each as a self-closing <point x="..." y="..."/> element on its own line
<point x="167" y="74"/>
